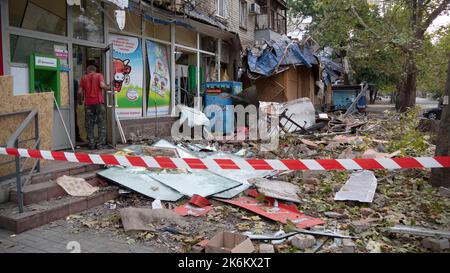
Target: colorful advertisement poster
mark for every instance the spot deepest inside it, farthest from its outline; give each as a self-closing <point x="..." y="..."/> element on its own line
<point x="159" y="89"/>
<point x="128" y="68"/>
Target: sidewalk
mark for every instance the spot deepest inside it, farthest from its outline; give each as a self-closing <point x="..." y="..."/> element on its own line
<point x="55" y="239"/>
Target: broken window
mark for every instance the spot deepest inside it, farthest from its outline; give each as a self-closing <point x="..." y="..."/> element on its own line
<point x="88" y="23"/>
<point x="40" y="15"/>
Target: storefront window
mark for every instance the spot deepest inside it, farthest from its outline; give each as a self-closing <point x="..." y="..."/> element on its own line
<point x="133" y="21"/>
<point x="157" y="31"/>
<point x="88" y="24"/>
<point x="186" y="37"/>
<point x="41" y="15"/>
<point x="23" y="47"/>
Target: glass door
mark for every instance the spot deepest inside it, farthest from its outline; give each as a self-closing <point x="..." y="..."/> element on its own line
<point x="82" y="58"/>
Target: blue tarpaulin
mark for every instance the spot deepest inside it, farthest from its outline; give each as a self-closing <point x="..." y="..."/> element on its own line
<point x="272" y="55"/>
<point x="269" y="58"/>
<point x="331" y="70"/>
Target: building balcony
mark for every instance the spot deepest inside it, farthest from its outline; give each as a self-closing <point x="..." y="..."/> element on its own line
<point x="273" y="16"/>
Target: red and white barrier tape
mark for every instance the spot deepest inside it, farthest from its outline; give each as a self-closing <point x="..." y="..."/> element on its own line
<point x="236" y="164"/>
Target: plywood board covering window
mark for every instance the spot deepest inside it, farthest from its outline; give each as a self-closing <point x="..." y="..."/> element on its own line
<point x="157" y="31"/>
<point x="187" y="37"/>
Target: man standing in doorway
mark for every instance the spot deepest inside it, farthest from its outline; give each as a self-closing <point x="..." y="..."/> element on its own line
<point x="92" y="86"/>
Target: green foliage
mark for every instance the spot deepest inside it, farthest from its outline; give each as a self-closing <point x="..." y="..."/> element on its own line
<point x="433" y="63"/>
<point x="379" y="40"/>
<point x="406" y="137"/>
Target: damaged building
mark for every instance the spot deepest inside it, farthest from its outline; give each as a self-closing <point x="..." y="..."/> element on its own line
<point x="155" y="55"/>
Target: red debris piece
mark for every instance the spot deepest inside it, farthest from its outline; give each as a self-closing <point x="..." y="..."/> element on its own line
<point x="199" y="201"/>
<point x="281" y="213"/>
<point x="190" y="210"/>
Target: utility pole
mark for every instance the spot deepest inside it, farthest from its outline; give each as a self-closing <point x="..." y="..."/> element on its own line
<point x="441" y="177"/>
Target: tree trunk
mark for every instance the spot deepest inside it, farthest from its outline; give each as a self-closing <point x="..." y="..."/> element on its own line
<point x="441" y="177"/>
<point x="407" y="90"/>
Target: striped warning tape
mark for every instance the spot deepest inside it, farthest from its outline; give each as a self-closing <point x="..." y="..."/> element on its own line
<point x="236" y="164"/>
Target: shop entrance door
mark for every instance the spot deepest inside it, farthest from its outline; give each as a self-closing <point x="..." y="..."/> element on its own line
<point x="82" y="58"/>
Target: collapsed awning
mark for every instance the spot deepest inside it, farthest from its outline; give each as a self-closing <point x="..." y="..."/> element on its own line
<point x="269" y="58"/>
<point x="191" y="19"/>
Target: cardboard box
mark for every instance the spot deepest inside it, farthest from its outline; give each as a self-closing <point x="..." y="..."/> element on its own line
<point x="225" y="242"/>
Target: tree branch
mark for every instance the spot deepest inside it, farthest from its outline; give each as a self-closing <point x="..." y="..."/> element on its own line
<point x="445" y="4"/>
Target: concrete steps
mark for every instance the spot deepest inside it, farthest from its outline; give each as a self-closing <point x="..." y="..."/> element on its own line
<point x="42" y="213"/>
<point x="43" y="191"/>
<point x="45" y="201"/>
<point x="71" y="169"/>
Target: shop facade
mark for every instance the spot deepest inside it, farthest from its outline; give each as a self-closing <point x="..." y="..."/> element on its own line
<point x="154" y="63"/>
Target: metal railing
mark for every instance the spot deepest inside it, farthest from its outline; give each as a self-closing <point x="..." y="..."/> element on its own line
<point x="14" y="142"/>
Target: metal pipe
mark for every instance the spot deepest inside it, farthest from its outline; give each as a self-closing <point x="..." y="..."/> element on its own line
<point x="38" y="139"/>
<point x="18" y="181"/>
<point x="64" y="124"/>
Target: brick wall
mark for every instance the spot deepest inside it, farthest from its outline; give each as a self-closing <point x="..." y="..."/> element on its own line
<point x="247" y="35"/>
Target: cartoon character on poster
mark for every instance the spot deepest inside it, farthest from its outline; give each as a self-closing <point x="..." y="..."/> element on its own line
<point x="160" y="81"/>
<point x="122" y="71"/>
<point x="159" y="87"/>
<point x="128" y="71"/>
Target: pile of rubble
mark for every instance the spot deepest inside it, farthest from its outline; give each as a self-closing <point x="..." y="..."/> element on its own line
<point x="267" y="211"/>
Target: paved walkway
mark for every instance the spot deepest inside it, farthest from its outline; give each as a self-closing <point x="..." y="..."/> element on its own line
<point x="58" y="240"/>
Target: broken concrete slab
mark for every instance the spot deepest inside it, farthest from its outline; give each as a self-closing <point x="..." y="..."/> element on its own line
<point x="303" y="242"/>
<point x="360" y="187"/>
<point x="266" y="248"/>
<point x="359" y="226"/>
<point x="334" y="215"/>
<point x="138" y="219"/>
<point x="348" y="246"/>
<point x="277" y="189"/>
<point x="366" y="212"/>
<point x="436" y="245"/>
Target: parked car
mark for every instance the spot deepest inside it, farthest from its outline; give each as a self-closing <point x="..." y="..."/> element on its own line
<point x="433" y="113"/>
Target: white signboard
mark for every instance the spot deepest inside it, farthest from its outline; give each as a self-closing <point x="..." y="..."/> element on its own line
<point x="46" y="62"/>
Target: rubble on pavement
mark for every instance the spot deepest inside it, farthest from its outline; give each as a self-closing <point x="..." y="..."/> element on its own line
<point x="399" y="198"/>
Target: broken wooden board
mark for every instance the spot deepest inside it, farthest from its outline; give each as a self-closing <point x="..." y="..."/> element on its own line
<point x="277" y="189"/>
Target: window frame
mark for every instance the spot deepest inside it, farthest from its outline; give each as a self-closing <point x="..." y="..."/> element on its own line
<point x="243" y="14"/>
<point x="218" y="10"/>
